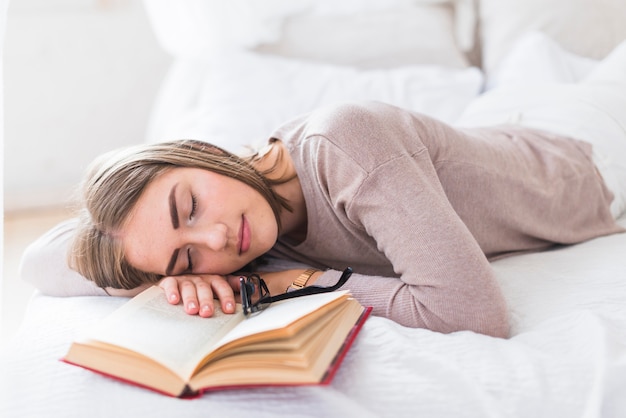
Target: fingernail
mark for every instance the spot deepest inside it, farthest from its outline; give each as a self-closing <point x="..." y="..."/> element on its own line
<point x="206" y="308"/>
<point x="172" y="297"/>
<point x="229" y="306"/>
<point x="191" y="305"/>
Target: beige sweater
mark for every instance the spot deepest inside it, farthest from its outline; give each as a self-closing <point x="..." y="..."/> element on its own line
<point x="417" y="207"/>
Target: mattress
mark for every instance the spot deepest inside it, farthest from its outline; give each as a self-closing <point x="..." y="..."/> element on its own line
<point x="566" y="357"/>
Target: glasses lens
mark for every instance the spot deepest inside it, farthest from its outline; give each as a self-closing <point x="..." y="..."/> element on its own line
<point x="254" y="294"/>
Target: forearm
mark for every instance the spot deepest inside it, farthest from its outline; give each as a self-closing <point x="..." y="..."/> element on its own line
<point x="443" y="309"/>
<point x="472" y="300"/>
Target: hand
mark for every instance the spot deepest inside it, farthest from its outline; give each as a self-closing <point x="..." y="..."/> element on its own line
<point x="198" y="293"/>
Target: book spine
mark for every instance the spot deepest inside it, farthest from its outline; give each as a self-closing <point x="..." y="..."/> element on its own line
<point x="343" y="351"/>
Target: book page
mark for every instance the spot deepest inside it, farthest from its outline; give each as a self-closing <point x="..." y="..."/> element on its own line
<point x="280" y="314"/>
<point x="151" y="326"/>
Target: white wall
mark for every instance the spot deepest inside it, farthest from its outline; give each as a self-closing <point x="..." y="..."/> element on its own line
<point x="80" y="77"/>
<point x="3" y="13"/>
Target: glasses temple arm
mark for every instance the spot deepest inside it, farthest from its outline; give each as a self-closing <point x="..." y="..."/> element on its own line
<point x="311" y="290"/>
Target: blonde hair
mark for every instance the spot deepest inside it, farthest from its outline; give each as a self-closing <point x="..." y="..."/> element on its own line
<point x="115" y="181"/>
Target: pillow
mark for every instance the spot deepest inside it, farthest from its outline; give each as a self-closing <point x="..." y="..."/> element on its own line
<point x="240" y="98"/>
<point x="537" y="59"/>
<point x="541" y="96"/>
<point x="589" y="28"/>
<point x="369" y="33"/>
<point x="407" y="35"/>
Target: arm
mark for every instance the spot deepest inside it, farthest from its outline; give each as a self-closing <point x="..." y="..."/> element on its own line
<point x="446" y="283"/>
<point x="373" y="167"/>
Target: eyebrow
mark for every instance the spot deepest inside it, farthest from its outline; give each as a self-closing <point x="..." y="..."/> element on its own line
<point x="173" y="208"/>
<point x="172" y="263"/>
<point x="175" y="224"/>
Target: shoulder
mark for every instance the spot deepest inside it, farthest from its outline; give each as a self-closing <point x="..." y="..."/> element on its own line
<point x="356" y="116"/>
<point x="350" y="119"/>
<point x="366" y="128"/>
<point x="367" y="133"/>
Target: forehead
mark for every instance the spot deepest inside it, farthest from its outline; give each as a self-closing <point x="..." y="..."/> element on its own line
<point x="156" y="194"/>
<point x="159" y="188"/>
<point x="142" y="235"/>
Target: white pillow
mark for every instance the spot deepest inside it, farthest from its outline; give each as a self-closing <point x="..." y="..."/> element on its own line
<point x="534" y="63"/>
<point x="408" y="35"/>
<point x="371" y="33"/>
<point x="240" y="98"/>
<point x="589" y="28"/>
<point x="537" y="59"/>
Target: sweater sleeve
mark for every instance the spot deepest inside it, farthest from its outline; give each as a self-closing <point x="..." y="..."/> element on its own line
<point x="391" y="192"/>
<point x="44" y="265"/>
<point x="446" y="283"/>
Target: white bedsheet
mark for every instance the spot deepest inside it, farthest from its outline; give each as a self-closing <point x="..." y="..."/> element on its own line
<point x="567" y="357"/>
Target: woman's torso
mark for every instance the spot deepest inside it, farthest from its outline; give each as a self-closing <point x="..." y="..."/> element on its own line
<point x="513" y="188"/>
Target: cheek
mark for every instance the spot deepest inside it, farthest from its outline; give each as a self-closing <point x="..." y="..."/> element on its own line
<point x="135" y="253"/>
<point x="269" y="231"/>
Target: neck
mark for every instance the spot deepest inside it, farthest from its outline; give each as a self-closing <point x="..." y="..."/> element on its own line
<point x="294" y="223"/>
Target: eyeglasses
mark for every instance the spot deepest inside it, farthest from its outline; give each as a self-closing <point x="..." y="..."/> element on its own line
<point x="255" y="295"/>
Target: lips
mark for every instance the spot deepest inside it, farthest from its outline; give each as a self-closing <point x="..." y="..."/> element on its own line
<point x="244" y="235"/>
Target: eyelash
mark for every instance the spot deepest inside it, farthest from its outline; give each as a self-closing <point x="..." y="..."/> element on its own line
<point x="189" y="263"/>
<point x="194" y="206"/>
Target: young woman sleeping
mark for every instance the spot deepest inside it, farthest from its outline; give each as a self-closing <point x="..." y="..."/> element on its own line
<point x="416" y="207"/>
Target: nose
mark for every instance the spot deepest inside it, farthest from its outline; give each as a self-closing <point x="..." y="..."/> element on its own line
<point x="215" y="236"/>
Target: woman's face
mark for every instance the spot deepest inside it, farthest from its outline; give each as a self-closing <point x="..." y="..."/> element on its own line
<point x="190" y="220"/>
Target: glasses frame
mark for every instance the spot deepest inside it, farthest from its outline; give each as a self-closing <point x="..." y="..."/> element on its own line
<point x="266" y="299"/>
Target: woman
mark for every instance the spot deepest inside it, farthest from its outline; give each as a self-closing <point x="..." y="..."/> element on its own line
<point x="416" y="207"/>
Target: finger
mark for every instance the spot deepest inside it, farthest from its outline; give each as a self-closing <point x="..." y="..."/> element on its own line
<point x="233" y="282"/>
<point x="170" y="287"/>
<point x="205" y="296"/>
<point x="189" y="295"/>
<point x="224" y="292"/>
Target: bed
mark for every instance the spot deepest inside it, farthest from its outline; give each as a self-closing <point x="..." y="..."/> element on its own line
<point x="567" y="353"/>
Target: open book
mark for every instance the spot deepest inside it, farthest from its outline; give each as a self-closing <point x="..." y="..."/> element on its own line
<point x="153" y="344"/>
